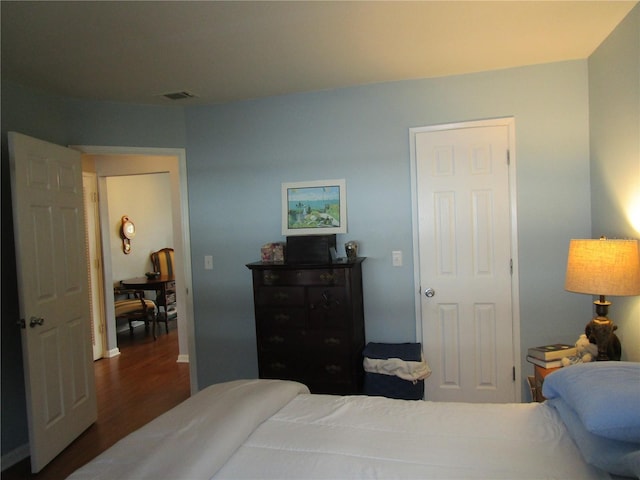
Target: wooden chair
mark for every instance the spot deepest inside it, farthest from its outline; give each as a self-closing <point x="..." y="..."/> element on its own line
<point x="131" y="306"/>
<point x="162" y="262"/>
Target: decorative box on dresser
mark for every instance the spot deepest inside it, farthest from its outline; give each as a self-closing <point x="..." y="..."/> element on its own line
<point x="310" y="324"/>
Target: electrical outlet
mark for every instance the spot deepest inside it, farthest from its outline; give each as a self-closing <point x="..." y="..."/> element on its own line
<point x="208" y="262"/>
<point x="396" y="258"/>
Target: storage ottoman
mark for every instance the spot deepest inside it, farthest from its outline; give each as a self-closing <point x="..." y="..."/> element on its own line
<point x="392" y="386"/>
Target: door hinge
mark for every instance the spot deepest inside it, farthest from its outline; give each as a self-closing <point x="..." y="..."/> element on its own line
<point x="514" y="373"/>
<point x="511" y="266"/>
<point x="508" y="157"/>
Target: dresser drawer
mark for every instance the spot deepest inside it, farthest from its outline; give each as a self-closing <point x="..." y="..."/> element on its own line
<point x="274" y="339"/>
<point x="267" y="296"/>
<point x="283" y="366"/>
<point x="327" y="340"/>
<point x="322" y="276"/>
<point x="330" y="367"/>
<point x="277" y="277"/>
<point x="280" y="317"/>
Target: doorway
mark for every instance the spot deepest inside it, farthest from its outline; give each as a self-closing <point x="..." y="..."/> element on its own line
<point x="465" y="246"/>
<point x="126" y="161"/>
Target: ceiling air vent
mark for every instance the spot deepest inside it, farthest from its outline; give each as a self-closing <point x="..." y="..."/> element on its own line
<point x="178" y="95"/>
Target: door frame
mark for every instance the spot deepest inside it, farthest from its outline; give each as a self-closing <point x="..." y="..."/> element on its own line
<point x="96" y="279"/>
<point x="181" y="235"/>
<point x="509" y="122"/>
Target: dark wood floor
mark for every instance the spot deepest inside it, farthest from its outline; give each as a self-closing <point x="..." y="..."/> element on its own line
<point x="133" y="388"/>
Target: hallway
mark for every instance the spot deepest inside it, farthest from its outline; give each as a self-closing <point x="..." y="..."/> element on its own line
<point x="132" y="389"/>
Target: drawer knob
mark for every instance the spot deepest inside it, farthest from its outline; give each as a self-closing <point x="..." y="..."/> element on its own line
<point x="328" y="277"/>
<point x="280" y="296"/>
<point x="333" y="369"/>
<point x="332" y="341"/>
<point x="277" y="366"/>
<point x="281" y="317"/>
<point x="270" y="277"/>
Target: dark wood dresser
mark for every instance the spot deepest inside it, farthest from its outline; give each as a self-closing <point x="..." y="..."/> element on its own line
<point x="310" y="324"/>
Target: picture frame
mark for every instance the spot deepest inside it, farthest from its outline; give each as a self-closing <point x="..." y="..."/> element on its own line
<point x="317" y="207"/>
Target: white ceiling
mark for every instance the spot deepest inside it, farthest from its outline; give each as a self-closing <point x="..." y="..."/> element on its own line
<point x="227" y="51"/>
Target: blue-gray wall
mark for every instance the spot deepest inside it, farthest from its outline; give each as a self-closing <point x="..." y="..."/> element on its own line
<point x="614" y="111"/>
<point x="238" y="154"/>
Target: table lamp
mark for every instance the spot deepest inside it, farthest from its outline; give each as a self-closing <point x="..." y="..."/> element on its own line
<point x="603" y="267"/>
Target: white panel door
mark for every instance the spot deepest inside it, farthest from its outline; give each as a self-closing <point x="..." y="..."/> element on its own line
<point x="462" y="190"/>
<point x="48" y="214"/>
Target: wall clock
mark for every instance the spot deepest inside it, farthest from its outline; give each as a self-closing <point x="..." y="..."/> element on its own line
<point x="127" y="232"/>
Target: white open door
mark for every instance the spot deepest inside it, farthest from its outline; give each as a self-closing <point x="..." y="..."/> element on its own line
<point x="465" y="262"/>
<point x="48" y="215"/>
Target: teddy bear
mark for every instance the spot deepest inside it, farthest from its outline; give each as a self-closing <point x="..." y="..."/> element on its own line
<point x="600" y="332"/>
<point x="585" y="352"/>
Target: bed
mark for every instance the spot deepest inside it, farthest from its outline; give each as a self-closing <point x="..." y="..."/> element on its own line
<point x="272" y="429"/>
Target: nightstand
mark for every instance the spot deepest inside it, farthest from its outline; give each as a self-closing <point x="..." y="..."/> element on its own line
<point x="539" y="374"/>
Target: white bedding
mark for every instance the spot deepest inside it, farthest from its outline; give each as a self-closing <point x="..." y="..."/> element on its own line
<point x="272" y="429"/>
<point x="194" y="439"/>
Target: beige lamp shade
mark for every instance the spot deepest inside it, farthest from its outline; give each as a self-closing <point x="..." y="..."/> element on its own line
<point x="603" y="267"/>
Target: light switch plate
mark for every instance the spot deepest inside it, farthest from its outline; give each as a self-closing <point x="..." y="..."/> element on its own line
<point x="396" y="258"/>
<point x="208" y="262"/>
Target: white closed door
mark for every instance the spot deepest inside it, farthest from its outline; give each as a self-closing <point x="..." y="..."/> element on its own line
<point x="464" y="236"/>
<point x="51" y="255"/>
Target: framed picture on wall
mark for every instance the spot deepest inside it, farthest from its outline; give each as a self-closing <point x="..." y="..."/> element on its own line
<point x="314" y="208"/>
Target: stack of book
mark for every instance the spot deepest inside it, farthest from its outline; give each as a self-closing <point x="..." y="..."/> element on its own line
<point x="550" y="356"/>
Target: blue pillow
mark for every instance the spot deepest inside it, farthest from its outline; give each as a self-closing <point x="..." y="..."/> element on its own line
<point x="604" y="395"/>
<point x="613" y="456"/>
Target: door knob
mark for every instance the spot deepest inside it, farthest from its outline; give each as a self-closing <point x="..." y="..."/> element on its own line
<point x="429" y="292"/>
<point x="34" y="321"/>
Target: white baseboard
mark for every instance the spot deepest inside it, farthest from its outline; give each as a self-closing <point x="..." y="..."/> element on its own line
<point x="114" y="352"/>
<point x="10" y="459"/>
<point x="183" y="358"/>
